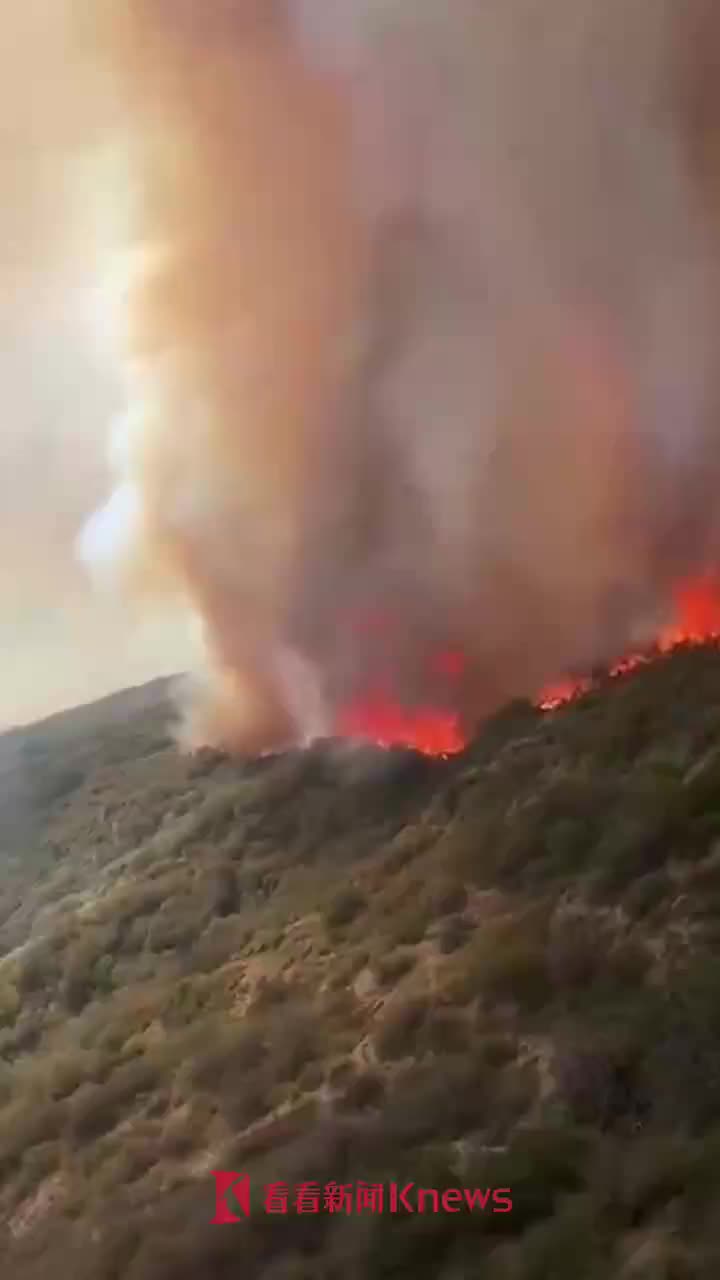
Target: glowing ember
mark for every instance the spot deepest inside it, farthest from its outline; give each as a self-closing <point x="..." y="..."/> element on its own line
<point x="554" y="695"/>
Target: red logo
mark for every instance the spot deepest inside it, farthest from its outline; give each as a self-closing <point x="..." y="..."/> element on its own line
<point x="225" y="1183"/>
<point x="232" y="1192"/>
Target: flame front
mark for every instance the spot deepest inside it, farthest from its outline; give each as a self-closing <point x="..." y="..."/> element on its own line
<point x="384" y="721"/>
<point x="381" y="718"/>
<point x="697" y="619"/>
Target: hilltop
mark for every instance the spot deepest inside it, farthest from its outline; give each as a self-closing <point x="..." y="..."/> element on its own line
<point x="500" y="969"/>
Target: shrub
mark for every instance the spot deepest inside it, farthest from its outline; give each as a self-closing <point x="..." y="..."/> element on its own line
<point x="187" y="1001"/>
<point x="410" y="925"/>
<point x="250" y="1097"/>
<point x="179" y="1137"/>
<point x="67" y="1071"/>
<point x="497" y="1050"/>
<point x="390" y="968"/>
<point x="401" y="1024"/>
<point x="25" y="1035"/>
<point x="228" y="1054"/>
<point x="36" y="1163"/>
<point x="36" y="968"/>
<point x="95" y="1109"/>
<point x="223" y="891"/>
<point x="364" y="1090"/>
<point x="84" y="972"/>
<point x="222" y="939"/>
<point x="446" y="897"/>
<point x="453" y="934"/>
<point x="175" y="926"/>
<point x="310" y="1078"/>
<point x="646" y="893"/>
<point x="345" y="906"/>
<point x="445" y="1032"/>
<point x="599" y="1086"/>
<point x="292" y="1043"/>
<point x="504" y="962"/>
<point x="9" y="1002"/>
<point x="129" y="1163"/>
<point x="539" y="1166"/>
<point x="575" y="954"/>
<point x="25" y="1124"/>
<point x="406" y="846"/>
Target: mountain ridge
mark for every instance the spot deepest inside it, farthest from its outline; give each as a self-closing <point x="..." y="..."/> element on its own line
<point x="500" y="969"/>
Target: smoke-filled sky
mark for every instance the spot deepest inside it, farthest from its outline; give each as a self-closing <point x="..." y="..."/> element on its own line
<point x="416" y="356"/>
<point x="61" y="207"/>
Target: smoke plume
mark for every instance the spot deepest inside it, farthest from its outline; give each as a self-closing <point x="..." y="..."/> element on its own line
<point x="421" y="304"/>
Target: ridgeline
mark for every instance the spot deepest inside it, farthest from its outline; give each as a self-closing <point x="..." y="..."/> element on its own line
<point x="496" y="970"/>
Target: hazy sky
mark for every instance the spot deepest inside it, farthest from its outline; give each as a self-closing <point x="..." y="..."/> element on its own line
<point x="59" y="643"/>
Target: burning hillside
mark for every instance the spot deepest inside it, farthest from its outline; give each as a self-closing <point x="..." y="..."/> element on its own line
<point x="437" y="729"/>
<point x="696" y="620"/>
<point x="419" y="327"/>
<point x="322" y="968"/>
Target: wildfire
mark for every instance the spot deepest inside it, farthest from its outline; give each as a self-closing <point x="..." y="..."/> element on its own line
<point x="432" y="729"/>
<point x="697" y="606"/>
<point x="560" y="691"/>
<point x="697" y="619"/>
<point x="435" y="731"/>
<point x="383" y="720"/>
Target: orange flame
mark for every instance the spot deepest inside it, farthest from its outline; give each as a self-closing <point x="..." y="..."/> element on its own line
<point x="384" y="721"/>
<point x="379" y="717"/>
<point x="697" y="619"/>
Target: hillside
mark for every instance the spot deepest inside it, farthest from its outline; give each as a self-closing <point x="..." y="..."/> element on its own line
<point x="498" y="970"/>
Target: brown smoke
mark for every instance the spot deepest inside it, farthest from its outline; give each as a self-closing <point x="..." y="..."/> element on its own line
<point x="420" y="334"/>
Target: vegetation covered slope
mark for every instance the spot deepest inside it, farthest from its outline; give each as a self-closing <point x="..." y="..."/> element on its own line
<point x="497" y="970"/>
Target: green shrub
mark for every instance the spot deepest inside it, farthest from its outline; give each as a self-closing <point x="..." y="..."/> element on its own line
<point x="364" y="1090"/>
<point x="646" y="893"/>
<point x="37" y="1163"/>
<point x="221" y="940"/>
<point x="36" y="968"/>
<point x="293" y="1042"/>
<point x="345" y="906"/>
<point x="388" y="969"/>
<point x="250" y="1098"/>
<point x="87" y="968"/>
<point x="453" y="934"/>
<point x="400" y="1027"/>
<point x="95" y="1109"/>
<point x="445" y="1032"/>
<point x="25" y="1124"/>
<point x="410" y="925"/>
<point x="179" y="1137"/>
<point x="175" y="926"/>
<point x="504" y="962"/>
<point x="228" y="1053"/>
<point x="223" y="891"/>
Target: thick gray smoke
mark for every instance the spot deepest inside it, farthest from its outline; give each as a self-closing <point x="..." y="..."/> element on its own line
<point x="420" y="341"/>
